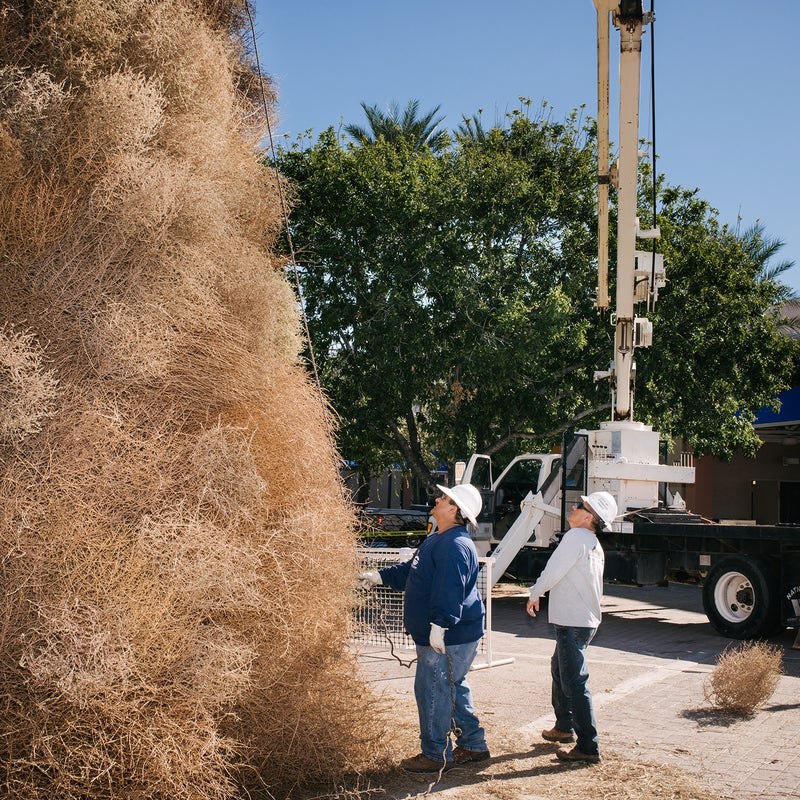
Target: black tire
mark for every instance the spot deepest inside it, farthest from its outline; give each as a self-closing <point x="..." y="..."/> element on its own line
<point x="741" y="598"/>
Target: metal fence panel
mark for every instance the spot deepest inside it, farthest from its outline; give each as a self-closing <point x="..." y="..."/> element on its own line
<point x="378" y="618"/>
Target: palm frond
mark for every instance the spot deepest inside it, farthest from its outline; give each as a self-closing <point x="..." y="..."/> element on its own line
<point x="395" y="125"/>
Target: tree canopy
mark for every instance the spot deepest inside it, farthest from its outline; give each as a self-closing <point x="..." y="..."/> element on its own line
<point x="450" y="296"/>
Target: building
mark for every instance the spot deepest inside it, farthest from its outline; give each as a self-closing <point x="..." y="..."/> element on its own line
<point x="765" y="489"/>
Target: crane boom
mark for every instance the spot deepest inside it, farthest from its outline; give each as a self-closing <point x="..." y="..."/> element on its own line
<point x="623" y="457"/>
<point x="603" y="176"/>
<point x="627" y="171"/>
<point x="629" y="18"/>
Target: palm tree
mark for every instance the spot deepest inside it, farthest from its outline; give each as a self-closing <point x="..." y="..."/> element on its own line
<point x="393" y="126"/>
<point x="762" y="249"/>
<point x="471" y="128"/>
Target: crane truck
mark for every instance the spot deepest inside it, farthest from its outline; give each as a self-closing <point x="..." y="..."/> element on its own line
<point x="750" y="573"/>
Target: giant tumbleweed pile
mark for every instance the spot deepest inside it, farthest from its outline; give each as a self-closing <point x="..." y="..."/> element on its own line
<point x="175" y="548"/>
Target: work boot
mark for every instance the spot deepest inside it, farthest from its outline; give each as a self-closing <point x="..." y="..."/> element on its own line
<point x="577" y="755"/>
<point x="463" y="756"/>
<point x="421" y="763"/>
<point x="554" y="735"/>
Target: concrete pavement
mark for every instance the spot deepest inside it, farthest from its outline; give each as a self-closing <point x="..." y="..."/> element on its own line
<point x="648" y="663"/>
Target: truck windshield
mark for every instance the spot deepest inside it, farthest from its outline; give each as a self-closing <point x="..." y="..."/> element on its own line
<point x="523" y="477"/>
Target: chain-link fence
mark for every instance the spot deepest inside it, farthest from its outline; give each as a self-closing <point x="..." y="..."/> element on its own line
<point x="378" y="619"/>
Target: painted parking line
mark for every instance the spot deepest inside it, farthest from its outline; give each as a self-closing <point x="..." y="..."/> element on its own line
<point x="625" y="688"/>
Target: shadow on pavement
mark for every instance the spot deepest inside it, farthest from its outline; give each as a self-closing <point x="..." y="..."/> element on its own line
<point x="707" y="717"/>
<point x="660" y="621"/>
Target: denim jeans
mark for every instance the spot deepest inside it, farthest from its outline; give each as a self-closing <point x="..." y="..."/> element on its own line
<point x="444" y="697"/>
<point x="572" y="700"/>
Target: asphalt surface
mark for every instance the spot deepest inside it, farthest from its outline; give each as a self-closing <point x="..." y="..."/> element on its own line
<point x="648" y="664"/>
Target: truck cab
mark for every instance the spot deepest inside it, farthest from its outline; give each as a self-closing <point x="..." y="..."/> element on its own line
<point x="503" y="496"/>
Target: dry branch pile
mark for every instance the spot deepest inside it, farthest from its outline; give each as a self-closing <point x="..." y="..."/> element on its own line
<point x="745" y="677"/>
<point x="176" y="551"/>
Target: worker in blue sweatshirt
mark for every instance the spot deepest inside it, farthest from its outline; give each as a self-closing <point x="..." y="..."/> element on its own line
<point x="444" y="615"/>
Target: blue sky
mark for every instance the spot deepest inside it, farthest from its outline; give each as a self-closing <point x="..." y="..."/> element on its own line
<point x="727" y="72"/>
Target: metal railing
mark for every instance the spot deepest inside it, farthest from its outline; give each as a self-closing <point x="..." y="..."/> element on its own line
<point x="378" y="618"/>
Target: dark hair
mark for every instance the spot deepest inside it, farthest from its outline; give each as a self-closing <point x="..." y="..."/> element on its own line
<point x="598" y="526"/>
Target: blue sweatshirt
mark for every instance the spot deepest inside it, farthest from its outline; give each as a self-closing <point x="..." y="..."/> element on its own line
<point x="440" y="584"/>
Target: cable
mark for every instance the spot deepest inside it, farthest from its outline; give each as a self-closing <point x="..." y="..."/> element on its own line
<point x="651" y="300"/>
<point x="285" y="215"/>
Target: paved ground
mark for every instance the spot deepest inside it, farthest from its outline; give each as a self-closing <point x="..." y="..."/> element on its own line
<point x="648" y="663"/>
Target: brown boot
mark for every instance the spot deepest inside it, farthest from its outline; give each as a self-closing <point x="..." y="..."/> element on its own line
<point x="463" y="756"/>
<point x="421" y="763"/>
<point x="554" y="735"/>
<point x="577" y="755"/>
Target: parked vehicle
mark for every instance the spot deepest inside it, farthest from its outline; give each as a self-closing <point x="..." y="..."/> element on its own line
<point x="393" y="527"/>
<point x="750" y="573"/>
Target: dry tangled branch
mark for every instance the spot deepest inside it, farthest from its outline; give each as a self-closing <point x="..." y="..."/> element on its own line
<point x="176" y="551"/>
<point x="27" y="390"/>
<point x="744" y="678"/>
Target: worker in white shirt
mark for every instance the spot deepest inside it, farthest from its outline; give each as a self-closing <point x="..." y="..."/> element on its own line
<point x="574" y="577"/>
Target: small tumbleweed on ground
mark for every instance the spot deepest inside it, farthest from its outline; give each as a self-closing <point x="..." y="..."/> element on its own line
<point x="745" y="677"/>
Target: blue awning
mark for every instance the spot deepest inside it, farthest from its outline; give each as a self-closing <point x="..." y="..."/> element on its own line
<point x="789" y="413"/>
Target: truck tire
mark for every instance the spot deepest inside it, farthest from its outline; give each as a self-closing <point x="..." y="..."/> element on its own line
<point x="740" y="598"/>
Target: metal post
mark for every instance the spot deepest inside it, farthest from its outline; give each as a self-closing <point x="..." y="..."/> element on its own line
<point x="490" y="662"/>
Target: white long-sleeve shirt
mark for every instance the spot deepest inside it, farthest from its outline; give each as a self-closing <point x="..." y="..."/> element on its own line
<point x="574" y="577"/>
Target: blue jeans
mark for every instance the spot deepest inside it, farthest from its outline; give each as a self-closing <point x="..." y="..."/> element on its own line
<point x="443" y="698"/>
<point x="572" y="700"/>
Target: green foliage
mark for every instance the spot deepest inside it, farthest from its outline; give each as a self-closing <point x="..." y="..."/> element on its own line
<point x="449" y="292"/>
<point x="719" y="356"/>
<point x="394" y="126"/>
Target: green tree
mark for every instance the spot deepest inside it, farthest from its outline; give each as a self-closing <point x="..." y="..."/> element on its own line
<point x="523" y="304"/>
<point x="450" y="298"/>
<point x="395" y="126"/>
<point x="719" y="354"/>
<point x="439" y="288"/>
<point x="368" y="219"/>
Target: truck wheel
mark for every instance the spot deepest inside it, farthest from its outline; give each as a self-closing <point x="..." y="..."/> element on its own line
<point x="740" y="598"/>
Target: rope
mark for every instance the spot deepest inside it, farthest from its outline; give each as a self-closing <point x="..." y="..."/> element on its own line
<point x="285" y="215"/>
<point x="454" y="731"/>
<point x="384" y="629"/>
<point x="651" y="300"/>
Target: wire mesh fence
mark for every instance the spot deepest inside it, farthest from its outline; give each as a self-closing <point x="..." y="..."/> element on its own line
<point x="378" y="618"/>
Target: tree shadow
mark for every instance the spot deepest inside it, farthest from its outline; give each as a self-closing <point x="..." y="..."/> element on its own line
<point x="549" y="768"/>
<point x="781" y="707"/>
<point x="641" y="620"/>
<point x="707" y="717"/>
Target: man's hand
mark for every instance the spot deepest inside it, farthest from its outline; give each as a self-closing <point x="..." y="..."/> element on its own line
<point x="369" y="579"/>
<point x="437" y="638"/>
<point x="533" y="606"/>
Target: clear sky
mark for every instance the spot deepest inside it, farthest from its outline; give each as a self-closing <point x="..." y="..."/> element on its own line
<point x="727" y="102"/>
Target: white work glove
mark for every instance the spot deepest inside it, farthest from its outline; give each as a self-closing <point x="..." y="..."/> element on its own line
<point x="369" y="579"/>
<point x="437" y="638"/>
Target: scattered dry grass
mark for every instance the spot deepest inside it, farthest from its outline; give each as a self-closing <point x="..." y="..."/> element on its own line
<point x="745" y="677"/>
<point x="536" y="774"/>
<point x="176" y="552"/>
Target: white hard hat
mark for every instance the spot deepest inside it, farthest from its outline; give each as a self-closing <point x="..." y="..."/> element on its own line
<point x="467" y="498"/>
<point x="604" y="505"/>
